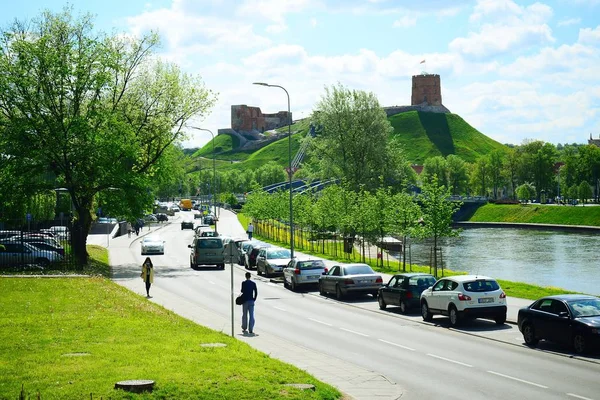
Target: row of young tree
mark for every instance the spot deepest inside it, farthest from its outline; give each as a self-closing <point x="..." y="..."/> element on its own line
<point x="339" y="211"/>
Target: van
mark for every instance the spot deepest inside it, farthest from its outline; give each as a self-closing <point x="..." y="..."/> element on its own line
<point x="185" y="204"/>
<point x="207" y="251"/>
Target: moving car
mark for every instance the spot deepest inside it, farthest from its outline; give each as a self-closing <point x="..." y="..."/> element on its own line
<point x="350" y="279"/>
<point x="568" y="319"/>
<point x="187" y="224"/>
<point x="20" y="253"/>
<point x="404" y="290"/>
<point x="302" y="272"/>
<point x="272" y="260"/>
<point x="464" y="296"/>
<point x="153" y="244"/>
<point x="207" y="251"/>
<point x="209" y="219"/>
<point x="161" y="217"/>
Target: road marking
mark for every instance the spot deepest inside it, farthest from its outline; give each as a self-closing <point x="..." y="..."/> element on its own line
<point x="578" y="397"/>
<point x="279" y="308"/>
<point x="449" y="360"/>
<point x="518" y="380"/>
<point x="356" y="333"/>
<point x="396" y="344"/>
<point x="320" y="322"/>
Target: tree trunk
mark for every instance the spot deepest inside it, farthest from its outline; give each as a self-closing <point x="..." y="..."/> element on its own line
<point x="81" y="228"/>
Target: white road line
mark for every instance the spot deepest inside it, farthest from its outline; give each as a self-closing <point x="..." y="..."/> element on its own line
<point x="356" y="333"/>
<point x="449" y="360"/>
<point x="279" y="308"/>
<point x="578" y="397"/>
<point x="396" y="344"/>
<point x="320" y="322"/>
<point x="518" y="380"/>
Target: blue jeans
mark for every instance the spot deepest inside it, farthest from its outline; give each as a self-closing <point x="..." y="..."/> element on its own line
<point x="248" y="308"/>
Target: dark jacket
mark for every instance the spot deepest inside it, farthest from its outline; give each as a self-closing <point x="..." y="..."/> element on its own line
<point x="249" y="290"/>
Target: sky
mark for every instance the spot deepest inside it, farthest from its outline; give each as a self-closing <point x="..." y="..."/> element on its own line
<point x="515" y="70"/>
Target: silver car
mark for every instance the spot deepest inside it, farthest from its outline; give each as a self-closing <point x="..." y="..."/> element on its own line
<point x="20" y="253"/>
<point x="302" y="272"/>
<point x="153" y="245"/>
<point x="272" y="260"/>
<point x="350" y="279"/>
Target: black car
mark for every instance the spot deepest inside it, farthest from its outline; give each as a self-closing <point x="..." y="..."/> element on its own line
<point x="160" y="217"/>
<point x="569" y="319"/>
<point x="187" y="224"/>
<point x="209" y="220"/>
<point x="404" y="290"/>
<point x="252" y="254"/>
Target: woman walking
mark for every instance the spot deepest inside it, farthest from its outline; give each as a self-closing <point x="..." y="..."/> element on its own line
<point x="147" y="274"/>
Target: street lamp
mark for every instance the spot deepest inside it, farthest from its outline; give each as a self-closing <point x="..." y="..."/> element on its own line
<point x="289" y="169"/>
<point x="214" y="173"/>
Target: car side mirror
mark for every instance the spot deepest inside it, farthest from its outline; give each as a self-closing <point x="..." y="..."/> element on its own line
<point x="189" y="246"/>
<point x="430" y="288"/>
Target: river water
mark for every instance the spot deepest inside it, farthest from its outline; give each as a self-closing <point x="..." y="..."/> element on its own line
<point x="546" y="258"/>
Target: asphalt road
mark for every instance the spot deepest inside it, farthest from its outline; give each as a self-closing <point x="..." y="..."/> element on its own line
<point x="429" y="360"/>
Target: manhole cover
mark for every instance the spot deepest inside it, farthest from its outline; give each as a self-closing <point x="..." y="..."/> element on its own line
<point x="213" y="345"/>
<point x="302" y="386"/>
<point x="76" y="354"/>
<point x="136" y="385"/>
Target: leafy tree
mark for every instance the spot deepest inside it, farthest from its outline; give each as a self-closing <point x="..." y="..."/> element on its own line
<point x="457" y="174"/>
<point x="436" y="166"/>
<point x="495" y="162"/>
<point x="405" y="214"/>
<point x="573" y="192"/>
<point x="353" y="143"/>
<point x="511" y="168"/>
<point x="540" y="159"/>
<point x="437" y="211"/>
<point x="525" y="192"/>
<point x="94" y="111"/>
<point x="584" y="192"/>
<point x="480" y="175"/>
<point x="269" y="174"/>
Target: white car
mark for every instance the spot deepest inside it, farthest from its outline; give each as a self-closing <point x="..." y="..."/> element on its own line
<point x="153" y="245"/>
<point x="464" y="296"/>
<point x="272" y="260"/>
<point x="59" y="232"/>
<point x="18" y="253"/>
<point x="302" y="272"/>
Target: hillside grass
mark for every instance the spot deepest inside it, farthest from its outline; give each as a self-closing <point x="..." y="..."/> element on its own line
<point x="426" y="135"/>
<point x="538" y="214"/>
<point x="46" y="324"/>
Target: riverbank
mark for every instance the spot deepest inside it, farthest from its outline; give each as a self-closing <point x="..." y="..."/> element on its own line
<point x="581" y="216"/>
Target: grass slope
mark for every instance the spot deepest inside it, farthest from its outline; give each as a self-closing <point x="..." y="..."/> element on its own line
<point x="125" y="337"/>
<point x="426" y="135"/>
<point x="538" y="214"/>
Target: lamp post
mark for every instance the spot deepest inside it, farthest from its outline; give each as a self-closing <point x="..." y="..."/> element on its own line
<point x="214" y="173"/>
<point x="289" y="169"/>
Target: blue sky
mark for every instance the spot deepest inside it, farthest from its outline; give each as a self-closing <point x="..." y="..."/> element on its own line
<point x="515" y="70"/>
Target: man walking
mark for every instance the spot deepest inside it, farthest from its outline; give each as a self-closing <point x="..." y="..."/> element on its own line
<point x="249" y="294"/>
<point x="250" y="230"/>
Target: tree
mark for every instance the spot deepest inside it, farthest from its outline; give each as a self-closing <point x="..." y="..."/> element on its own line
<point x="540" y="159"/>
<point x="436" y="166"/>
<point x="96" y="112"/>
<point x="353" y="143"/>
<point x="480" y="175"/>
<point x="584" y="192"/>
<point x="437" y="211"/>
<point x="525" y="192"/>
<point x="269" y="174"/>
<point x="457" y="174"/>
<point x="495" y="162"/>
<point x="405" y="213"/>
<point x="511" y="167"/>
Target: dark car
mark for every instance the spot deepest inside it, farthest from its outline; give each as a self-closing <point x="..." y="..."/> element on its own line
<point x="252" y="254"/>
<point x="569" y="319"/>
<point x="244" y="247"/>
<point x="404" y="290"/>
<point x="209" y="219"/>
<point x="187" y="224"/>
<point x="161" y="217"/>
<point x="350" y="279"/>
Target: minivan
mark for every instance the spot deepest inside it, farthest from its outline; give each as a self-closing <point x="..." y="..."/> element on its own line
<point x="207" y="251"/>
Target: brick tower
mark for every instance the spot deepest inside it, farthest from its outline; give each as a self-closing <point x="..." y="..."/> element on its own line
<point x="426" y="88"/>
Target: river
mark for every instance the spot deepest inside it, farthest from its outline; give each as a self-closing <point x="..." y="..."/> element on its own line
<point x="545" y="258"/>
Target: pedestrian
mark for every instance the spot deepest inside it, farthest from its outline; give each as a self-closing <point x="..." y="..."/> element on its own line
<point x="147" y="274"/>
<point x="137" y="227"/>
<point x="249" y="294"/>
<point x="250" y="230"/>
<point x="129" y="229"/>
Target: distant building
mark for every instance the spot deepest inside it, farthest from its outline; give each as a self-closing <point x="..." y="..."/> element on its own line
<point x="595" y="142"/>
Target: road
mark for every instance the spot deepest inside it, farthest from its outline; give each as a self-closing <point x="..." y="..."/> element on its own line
<point x="429" y="360"/>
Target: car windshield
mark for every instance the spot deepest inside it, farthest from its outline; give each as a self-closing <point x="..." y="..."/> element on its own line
<point x="421" y="281"/>
<point x="358" y="270"/>
<point x="278" y="253"/>
<point x="481" y="285"/>
<point x="585" y="307"/>
<point x="314" y="264"/>
<point x="151" y="239"/>
<point x="209" y="244"/>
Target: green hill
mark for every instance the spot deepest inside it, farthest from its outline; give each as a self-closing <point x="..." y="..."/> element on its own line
<point x="426" y="135"/>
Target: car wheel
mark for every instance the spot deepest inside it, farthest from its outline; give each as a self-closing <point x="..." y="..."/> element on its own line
<point x="454" y="316"/>
<point x="293" y="285"/>
<point x="500" y="319"/>
<point x="222" y="266"/>
<point x="42" y="262"/>
<point x="285" y="284"/>
<point x="579" y="344"/>
<point x="403" y="307"/>
<point x="529" y="335"/>
<point x="258" y="271"/>
<point x="381" y="302"/>
<point x="338" y="293"/>
<point x="321" y="289"/>
<point x="425" y="313"/>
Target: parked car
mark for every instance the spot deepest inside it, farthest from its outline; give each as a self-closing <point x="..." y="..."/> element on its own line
<point x="252" y="253"/>
<point x="350" y="279"/>
<point x="161" y="217"/>
<point x="187" y="224"/>
<point x="153" y="244"/>
<point x="44" y="246"/>
<point x="8" y="234"/>
<point x="302" y="272"/>
<point x="569" y="319"/>
<point x="24" y="253"/>
<point x="59" y="232"/>
<point x="197" y="214"/>
<point x="36" y="238"/>
<point x="404" y="290"/>
<point x="465" y="296"/>
<point x="207" y="251"/>
<point x="272" y="260"/>
<point x="150" y="218"/>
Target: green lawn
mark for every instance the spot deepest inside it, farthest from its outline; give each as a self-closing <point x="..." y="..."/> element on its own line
<point x="124" y="336"/>
<point x="537" y="213"/>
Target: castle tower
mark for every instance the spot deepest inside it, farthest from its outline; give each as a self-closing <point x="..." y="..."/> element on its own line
<point x="426" y="88"/>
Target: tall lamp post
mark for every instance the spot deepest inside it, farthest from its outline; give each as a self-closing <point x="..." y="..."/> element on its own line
<point x="214" y="173"/>
<point x="289" y="169"/>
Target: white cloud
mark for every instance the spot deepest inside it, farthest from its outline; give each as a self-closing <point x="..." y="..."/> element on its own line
<point x="276" y="28"/>
<point x="313" y="22"/>
<point x="273" y="10"/>
<point x="589" y="36"/>
<point x="569" y="21"/>
<point x="405" y="22"/>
